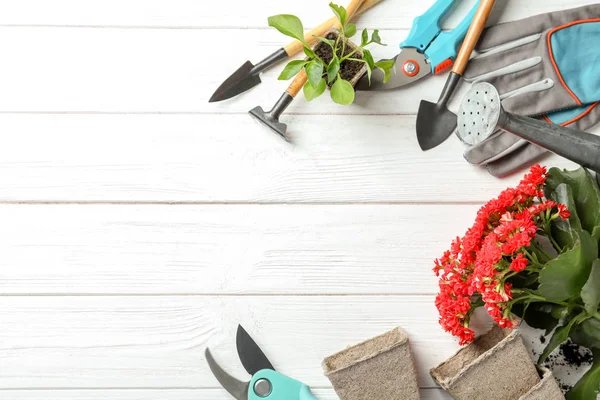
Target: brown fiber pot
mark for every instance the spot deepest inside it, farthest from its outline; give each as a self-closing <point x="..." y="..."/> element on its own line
<point x="497" y="366"/>
<point x="381" y="368"/>
<point x="547" y="389"/>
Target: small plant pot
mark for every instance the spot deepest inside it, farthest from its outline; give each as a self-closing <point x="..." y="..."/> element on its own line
<point x="351" y="71"/>
<point x="497" y="366"/>
<point x="546" y="389"/>
<point x="379" y="368"/>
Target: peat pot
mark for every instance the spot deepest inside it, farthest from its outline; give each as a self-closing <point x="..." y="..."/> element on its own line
<point x="496" y="366"/>
<point x="351" y="71"/>
<point x="379" y="368"/>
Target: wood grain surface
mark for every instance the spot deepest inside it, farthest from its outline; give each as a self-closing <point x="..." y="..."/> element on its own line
<point x="141" y="224"/>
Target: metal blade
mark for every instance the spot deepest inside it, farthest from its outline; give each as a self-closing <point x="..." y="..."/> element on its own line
<point x="251" y="356"/>
<point x="240" y="81"/>
<point x="236" y="388"/>
<point x="405" y="60"/>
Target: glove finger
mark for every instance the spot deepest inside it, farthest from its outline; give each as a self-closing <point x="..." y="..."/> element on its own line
<point x="497" y="146"/>
<point x="506" y="62"/>
<point x="523" y="157"/>
<point x="507" y="32"/>
<point x="540" y="102"/>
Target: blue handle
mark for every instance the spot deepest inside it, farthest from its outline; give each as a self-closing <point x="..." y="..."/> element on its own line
<point x="427" y="26"/>
<point x="445" y="45"/>
<point x="282" y="387"/>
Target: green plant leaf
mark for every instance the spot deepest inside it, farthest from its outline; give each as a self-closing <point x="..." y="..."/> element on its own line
<point x="309" y="53"/>
<point x="585" y="192"/>
<point x="340" y="12"/>
<point x="289" y="25"/>
<point x="314" y="70"/>
<point x="376" y="39"/>
<point x="590" y="294"/>
<point x="311" y="93"/>
<point x="587" y="334"/>
<point x="560" y="335"/>
<point x="330" y="42"/>
<point x="564" y="276"/>
<point x="588" y="387"/>
<point x="342" y="92"/>
<point x="291" y="69"/>
<point x="333" y="68"/>
<point x="539" y="316"/>
<point x="562" y="231"/>
<point x="365" y="37"/>
<point x="386" y="66"/>
<point x="350" y="30"/>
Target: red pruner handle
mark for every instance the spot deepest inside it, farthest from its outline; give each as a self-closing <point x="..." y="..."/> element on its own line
<point x="444" y="66"/>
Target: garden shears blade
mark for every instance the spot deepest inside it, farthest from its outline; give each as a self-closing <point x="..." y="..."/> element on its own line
<point x="427" y="49"/>
<point x="265" y="383"/>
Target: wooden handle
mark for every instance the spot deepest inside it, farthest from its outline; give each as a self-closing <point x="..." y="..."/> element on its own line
<point x="481" y="16"/>
<point x="297" y="84"/>
<point x="295" y="47"/>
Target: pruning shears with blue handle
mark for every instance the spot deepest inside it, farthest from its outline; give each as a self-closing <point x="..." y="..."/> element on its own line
<point x="427" y="49"/>
<point x="266" y="383"/>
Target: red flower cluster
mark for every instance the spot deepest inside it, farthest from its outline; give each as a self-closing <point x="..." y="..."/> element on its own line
<point x="478" y="265"/>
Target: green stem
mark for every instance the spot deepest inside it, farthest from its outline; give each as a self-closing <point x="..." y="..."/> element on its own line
<point x="350" y="54"/>
<point x="356" y="59"/>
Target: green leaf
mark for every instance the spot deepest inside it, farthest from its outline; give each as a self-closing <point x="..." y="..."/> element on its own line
<point x="564" y="276"/>
<point x="585" y="192"/>
<point x="311" y="93"/>
<point x="375" y="38"/>
<point x="365" y="37"/>
<point x="560" y="335"/>
<point x="350" y="30"/>
<point x="386" y="66"/>
<point x="314" y="70"/>
<point x="291" y="69"/>
<point x="340" y="12"/>
<point x="590" y="294"/>
<point x="289" y="25"/>
<point x="342" y="92"/>
<point x="333" y="68"/>
<point x="368" y="57"/>
<point x="539" y="316"/>
<point x="587" y="334"/>
<point x="330" y="42"/>
<point x="562" y="231"/>
<point x="309" y="53"/>
<point x="588" y="387"/>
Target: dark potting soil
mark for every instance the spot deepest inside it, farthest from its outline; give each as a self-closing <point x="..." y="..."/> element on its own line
<point x="348" y="69"/>
<point x="570" y="355"/>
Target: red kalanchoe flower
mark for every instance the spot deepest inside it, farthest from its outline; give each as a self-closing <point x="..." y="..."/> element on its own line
<point x="492" y="251"/>
<point x="519" y="263"/>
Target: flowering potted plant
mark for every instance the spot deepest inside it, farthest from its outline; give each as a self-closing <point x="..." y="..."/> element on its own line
<point x="531" y="254"/>
<point x="334" y="61"/>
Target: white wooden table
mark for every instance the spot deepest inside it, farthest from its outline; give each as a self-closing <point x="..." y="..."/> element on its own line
<point x="140" y="224"/>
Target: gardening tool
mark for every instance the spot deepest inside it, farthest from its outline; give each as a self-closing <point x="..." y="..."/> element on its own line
<point x="427" y="50"/>
<point x="528" y="61"/>
<point x="265" y="382"/>
<point x="248" y="75"/>
<point x="435" y="123"/>
<point x="271" y="118"/>
<point x="481" y="113"/>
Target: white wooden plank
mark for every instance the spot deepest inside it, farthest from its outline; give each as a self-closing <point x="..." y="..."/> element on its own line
<point x="103" y="249"/>
<point x="154" y="342"/>
<point x="215" y="158"/>
<point x="195" y="13"/>
<point x="165" y="394"/>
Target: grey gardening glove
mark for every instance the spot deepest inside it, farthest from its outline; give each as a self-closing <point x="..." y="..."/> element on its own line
<point x="516" y="58"/>
<point x="505" y="153"/>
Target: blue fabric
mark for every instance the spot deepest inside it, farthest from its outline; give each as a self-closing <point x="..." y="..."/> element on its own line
<point x="576" y="51"/>
<point x="560" y="117"/>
